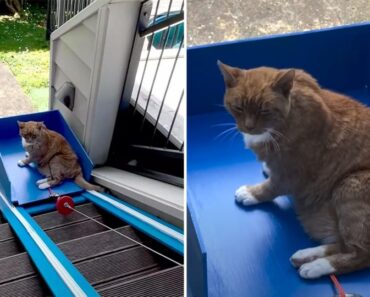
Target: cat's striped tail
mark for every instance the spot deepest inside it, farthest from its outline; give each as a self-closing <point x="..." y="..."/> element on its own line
<point x="79" y="180"/>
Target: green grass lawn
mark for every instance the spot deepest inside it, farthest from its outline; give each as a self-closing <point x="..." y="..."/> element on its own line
<point x="24" y="49"/>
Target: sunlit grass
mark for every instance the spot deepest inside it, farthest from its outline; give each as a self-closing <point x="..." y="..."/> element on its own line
<point x="24" y="49"/>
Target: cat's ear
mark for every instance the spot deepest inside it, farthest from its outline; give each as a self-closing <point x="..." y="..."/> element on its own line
<point x="21" y="124"/>
<point x="284" y="82"/>
<point x="229" y="73"/>
<point x="40" y="125"/>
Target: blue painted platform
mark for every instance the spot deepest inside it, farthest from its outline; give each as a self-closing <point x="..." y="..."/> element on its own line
<point x="20" y="183"/>
<point x="244" y="251"/>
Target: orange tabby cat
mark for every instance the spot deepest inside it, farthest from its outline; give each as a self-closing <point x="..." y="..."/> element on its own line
<point x="53" y="155"/>
<point x="316" y="145"/>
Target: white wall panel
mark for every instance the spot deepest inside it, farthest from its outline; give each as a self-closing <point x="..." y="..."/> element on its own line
<point x="92" y="51"/>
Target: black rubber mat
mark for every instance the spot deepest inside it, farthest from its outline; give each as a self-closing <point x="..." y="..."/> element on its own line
<point x="165" y="283"/>
<point x="16" y="267"/>
<point x="116" y="265"/>
<point x="77" y="250"/>
<point x="53" y="219"/>
<point x="59" y="234"/>
<point x="123" y="279"/>
<point x="5" y="232"/>
<point x="97" y="271"/>
<point x="98" y="244"/>
<point x="74" y="231"/>
<point x="9" y="248"/>
<point x="108" y="261"/>
<point x="26" y="287"/>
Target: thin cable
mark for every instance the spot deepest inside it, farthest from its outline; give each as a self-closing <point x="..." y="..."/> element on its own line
<point x="338" y="286"/>
<point x="137" y="242"/>
<point x="52" y="193"/>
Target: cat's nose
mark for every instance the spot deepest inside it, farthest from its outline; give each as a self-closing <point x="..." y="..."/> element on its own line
<point x="249" y="127"/>
<point x="249" y="124"/>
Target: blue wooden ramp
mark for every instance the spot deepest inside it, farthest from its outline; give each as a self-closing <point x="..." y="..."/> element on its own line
<point x="22" y="181"/>
<point x="103" y="247"/>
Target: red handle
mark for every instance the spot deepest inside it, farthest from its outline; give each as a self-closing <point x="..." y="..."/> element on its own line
<point x="65" y="205"/>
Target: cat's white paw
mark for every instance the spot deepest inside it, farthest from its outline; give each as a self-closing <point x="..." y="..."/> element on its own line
<point x="307" y="255"/>
<point x="41" y="181"/>
<point x="21" y="163"/>
<point x="44" y="186"/>
<point x="316" y="268"/>
<point x="244" y="196"/>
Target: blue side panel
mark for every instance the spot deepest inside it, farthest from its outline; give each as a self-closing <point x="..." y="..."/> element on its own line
<point x="23" y="187"/>
<point x="144" y="227"/>
<point x="196" y="256"/>
<point x="46" y="269"/>
<point x="248" y="249"/>
<point x="337" y="57"/>
<point x="4" y="180"/>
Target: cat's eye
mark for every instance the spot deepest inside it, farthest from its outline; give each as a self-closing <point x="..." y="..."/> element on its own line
<point x="264" y="109"/>
<point x="237" y="108"/>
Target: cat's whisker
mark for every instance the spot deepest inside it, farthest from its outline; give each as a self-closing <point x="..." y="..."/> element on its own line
<point x="273" y="147"/>
<point x="275" y="143"/>
<point x="273" y="131"/>
<point x="226" y="136"/>
<point x="236" y="133"/>
<point x="265" y="146"/>
<point x="223" y="124"/>
<point x="273" y="139"/>
<point x="225" y="132"/>
<point x="278" y="134"/>
<point x="233" y="135"/>
<point x="219" y="105"/>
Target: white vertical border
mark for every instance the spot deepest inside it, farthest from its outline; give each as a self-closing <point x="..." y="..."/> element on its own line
<point x="185" y="147"/>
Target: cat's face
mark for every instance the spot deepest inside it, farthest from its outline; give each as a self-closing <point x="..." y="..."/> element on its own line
<point x="258" y="99"/>
<point x="31" y="131"/>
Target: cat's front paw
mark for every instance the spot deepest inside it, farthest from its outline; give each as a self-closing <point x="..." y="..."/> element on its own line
<point x="44" y="186"/>
<point x="244" y="195"/>
<point x="301" y="257"/>
<point x="42" y="181"/>
<point x="316" y="269"/>
<point x="21" y="163"/>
